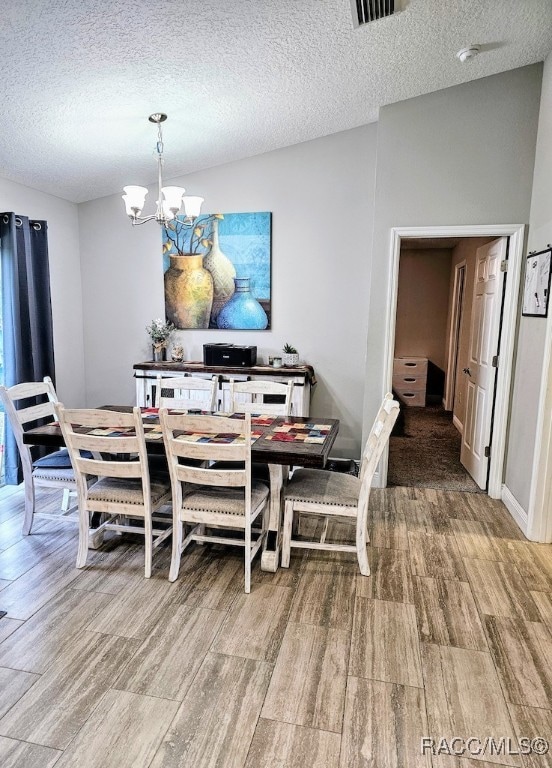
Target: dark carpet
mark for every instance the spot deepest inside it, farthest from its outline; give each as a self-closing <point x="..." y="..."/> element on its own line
<point x="427" y="453"/>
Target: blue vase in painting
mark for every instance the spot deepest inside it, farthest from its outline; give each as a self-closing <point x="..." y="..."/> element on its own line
<point x="242" y="311"/>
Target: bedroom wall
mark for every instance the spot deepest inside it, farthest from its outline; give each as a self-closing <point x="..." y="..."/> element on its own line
<point x="321" y="197"/>
<point x="65" y="281"/>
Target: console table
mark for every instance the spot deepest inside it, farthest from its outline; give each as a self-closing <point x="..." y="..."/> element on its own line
<point x="303" y="378"/>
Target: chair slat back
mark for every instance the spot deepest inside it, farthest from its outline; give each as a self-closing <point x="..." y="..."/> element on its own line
<point x="377" y="440"/>
<point x="248" y="397"/>
<point x="187" y="392"/>
<point x="20" y="417"/>
<point x="76" y="425"/>
<point x="178" y="447"/>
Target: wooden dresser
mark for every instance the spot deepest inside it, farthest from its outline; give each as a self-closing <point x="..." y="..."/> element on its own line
<point x="410" y="379"/>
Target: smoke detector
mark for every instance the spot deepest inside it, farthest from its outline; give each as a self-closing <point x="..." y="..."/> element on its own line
<point x="468" y="53"/>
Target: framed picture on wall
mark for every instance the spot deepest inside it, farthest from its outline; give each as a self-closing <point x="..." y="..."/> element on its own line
<point x="536" y="292"/>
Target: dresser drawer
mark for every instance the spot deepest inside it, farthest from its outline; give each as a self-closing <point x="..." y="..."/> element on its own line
<point x="407" y="382"/>
<point x="411" y="398"/>
<point x="412" y="365"/>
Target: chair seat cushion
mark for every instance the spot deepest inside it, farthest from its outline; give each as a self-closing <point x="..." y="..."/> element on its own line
<point x="63" y="475"/>
<point x="128" y="490"/>
<point x="227" y="501"/>
<point x="323" y="487"/>
<point x="56" y="460"/>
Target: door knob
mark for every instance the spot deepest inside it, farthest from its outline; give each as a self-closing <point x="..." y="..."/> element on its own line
<point x="467" y="370"/>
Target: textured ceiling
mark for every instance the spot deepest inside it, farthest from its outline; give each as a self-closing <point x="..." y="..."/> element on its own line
<point x="236" y="77"/>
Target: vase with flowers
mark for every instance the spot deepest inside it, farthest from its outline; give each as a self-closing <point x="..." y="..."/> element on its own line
<point x="194" y="301"/>
<point x="160" y="332"/>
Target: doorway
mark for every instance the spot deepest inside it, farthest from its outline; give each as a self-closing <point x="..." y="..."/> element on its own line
<point x="495" y="449"/>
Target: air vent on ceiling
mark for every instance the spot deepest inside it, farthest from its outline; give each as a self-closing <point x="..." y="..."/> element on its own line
<point x="372" y="10"/>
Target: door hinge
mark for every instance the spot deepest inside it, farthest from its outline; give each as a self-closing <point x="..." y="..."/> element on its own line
<point x="495" y="361"/>
<point x="487" y="451"/>
<point x="504" y="265"/>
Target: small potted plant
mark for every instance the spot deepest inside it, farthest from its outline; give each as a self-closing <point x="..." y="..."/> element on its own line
<point x="159" y="331"/>
<point x="290" y="357"/>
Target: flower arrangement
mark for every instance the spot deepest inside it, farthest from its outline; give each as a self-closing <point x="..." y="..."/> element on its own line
<point x="194" y="239"/>
<point x="160" y="331"/>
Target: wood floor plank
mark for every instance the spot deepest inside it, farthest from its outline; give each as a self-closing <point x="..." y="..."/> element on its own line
<point x="109" y="569"/>
<point x="534" y="562"/>
<point x="543" y="601"/>
<point x="325" y="595"/>
<point x="532" y="723"/>
<point x="499" y="590"/>
<point x="388" y="528"/>
<point x="384" y="643"/>
<point x="8" y="627"/>
<point x="435" y="555"/>
<point x="216" y="721"/>
<point x="13" y="685"/>
<point x="389" y="578"/>
<point x="136" y="610"/>
<point x="464" y="697"/>
<point x="209" y="577"/>
<point x="447" y="614"/>
<point x="60" y="702"/>
<point x="383" y="726"/>
<point x="309" y="679"/>
<point x="424" y="516"/>
<point x="255" y="625"/>
<point x="291" y="746"/>
<point x="44" y="541"/>
<point x="476" y="540"/>
<point x="37" y="586"/>
<point x="44" y="637"/>
<point x="169" y="658"/>
<point x="124" y="731"/>
<point x="522" y="652"/>
<point x="18" y="754"/>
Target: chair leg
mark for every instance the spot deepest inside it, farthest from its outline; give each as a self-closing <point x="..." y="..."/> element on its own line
<point x="176" y="549"/>
<point x="65" y="500"/>
<point x="362" y="555"/>
<point x="247" y="549"/>
<point x="286" y="534"/>
<point x="148" y="535"/>
<point x="82" y="552"/>
<point x="29" y="507"/>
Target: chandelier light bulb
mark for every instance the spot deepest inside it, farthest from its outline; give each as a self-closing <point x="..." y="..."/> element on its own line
<point x="192" y="206"/>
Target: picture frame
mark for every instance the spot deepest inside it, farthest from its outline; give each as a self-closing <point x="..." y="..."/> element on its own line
<point x="536" y="291"/>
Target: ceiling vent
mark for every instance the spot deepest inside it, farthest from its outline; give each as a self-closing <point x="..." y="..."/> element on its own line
<point x="365" y="11"/>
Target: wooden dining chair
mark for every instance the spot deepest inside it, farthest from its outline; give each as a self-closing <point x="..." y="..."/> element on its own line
<point x="211" y="498"/>
<point x="249" y="397"/>
<point x="334" y="495"/>
<point x="187" y="392"/>
<point x="51" y="471"/>
<point x="116" y="482"/>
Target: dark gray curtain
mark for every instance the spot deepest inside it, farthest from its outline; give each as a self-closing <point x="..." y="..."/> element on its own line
<point x="28" y="344"/>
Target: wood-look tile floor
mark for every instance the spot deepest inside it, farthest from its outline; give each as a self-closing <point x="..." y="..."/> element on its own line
<point x="319" y="667"/>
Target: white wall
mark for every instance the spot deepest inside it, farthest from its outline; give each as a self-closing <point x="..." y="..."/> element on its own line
<point x="463" y="155"/>
<point x="65" y="280"/>
<point x="321" y="197"/>
<point x="422" y="304"/>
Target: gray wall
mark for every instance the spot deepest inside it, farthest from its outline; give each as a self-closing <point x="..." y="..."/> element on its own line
<point x="532" y="331"/>
<point x="65" y="281"/>
<point x="463" y="155"/>
<point x="321" y="197"/>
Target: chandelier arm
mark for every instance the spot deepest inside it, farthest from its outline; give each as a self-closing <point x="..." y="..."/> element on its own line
<point x="137" y="220"/>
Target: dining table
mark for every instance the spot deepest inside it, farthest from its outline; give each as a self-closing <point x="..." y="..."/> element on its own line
<point x="278" y="441"/>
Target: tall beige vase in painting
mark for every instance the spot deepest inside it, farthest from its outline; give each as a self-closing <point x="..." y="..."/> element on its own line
<point x="223" y="273"/>
<point x="188" y="292"/>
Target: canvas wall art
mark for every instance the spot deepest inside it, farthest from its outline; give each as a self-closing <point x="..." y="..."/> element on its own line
<point x="536" y="292"/>
<point x="218" y="271"/>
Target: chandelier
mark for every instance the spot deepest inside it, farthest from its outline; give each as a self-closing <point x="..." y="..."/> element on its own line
<point x="169" y="199"/>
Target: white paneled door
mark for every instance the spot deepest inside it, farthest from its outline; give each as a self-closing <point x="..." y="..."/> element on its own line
<point x="480" y="372"/>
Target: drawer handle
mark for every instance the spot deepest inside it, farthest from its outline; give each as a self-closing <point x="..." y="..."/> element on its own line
<point x="409" y="379"/>
<point x="408" y="394"/>
<point x="411" y="365"/>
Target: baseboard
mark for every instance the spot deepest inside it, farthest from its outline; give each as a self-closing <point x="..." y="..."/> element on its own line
<point x="458" y="424"/>
<point x="515" y="509"/>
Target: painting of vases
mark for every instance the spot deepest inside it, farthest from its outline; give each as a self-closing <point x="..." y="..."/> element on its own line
<point x="232" y="250"/>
